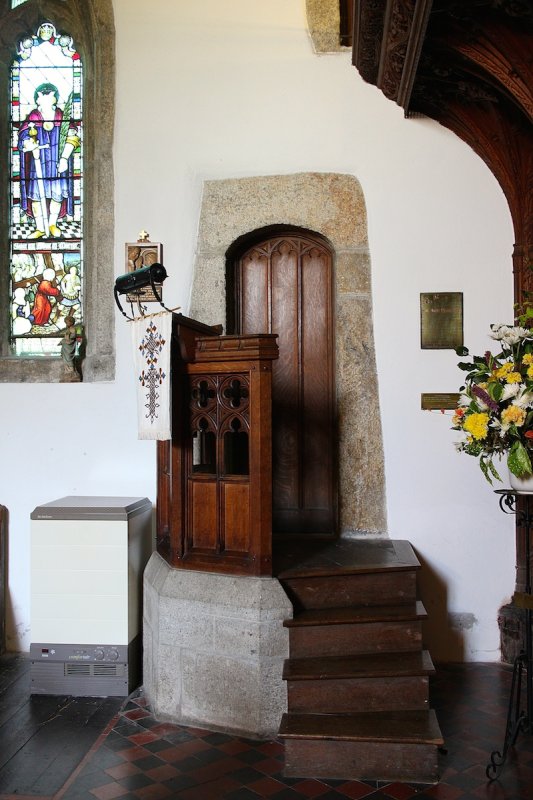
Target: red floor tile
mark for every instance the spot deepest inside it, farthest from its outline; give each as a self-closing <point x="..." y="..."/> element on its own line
<point x="155" y="792"/>
<point x="399" y="791"/>
<point x="356" y="790"/>
<point x="133" y="753"/>
<point x="470" y="702"/>
<point x="310" y="788"/>
<point x="162" y="773"/>
<point x="266" y="787"/>
<point x="138" y="713"/>
<point x="143" y="738"/>
<point x="122" y="770"/>
<point x="109" y="791"/>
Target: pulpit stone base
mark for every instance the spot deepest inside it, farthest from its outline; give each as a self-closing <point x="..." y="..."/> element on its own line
<point x="214" y="647"/>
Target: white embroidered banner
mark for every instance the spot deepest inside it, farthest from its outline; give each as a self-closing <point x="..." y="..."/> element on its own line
<point x="151" y="354"/>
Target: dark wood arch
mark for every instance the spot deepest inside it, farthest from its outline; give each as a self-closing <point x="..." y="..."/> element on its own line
<point x="281" y="281"/>
<point x="469" y="66"/>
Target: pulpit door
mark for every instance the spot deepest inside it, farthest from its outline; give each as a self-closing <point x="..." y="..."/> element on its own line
<point x="283" y="285"/>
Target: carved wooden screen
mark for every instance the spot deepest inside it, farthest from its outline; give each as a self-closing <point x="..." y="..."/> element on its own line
<point x="283" y="285"/>
<point x="214" y="500"/>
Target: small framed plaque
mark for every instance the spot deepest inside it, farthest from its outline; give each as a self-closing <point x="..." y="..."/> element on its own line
<point x="441" y="320"/>
<point x="435" y="401"/>
<point x="143" y="254"/>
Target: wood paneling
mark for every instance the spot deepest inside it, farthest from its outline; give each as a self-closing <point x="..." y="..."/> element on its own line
<point x="235" y="507"/>
<point x="214" y="509"/>
<point x="203" y="517"/>
<point x="283" y="285"/>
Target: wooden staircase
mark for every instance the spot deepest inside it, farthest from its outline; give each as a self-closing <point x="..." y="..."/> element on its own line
<point x="357" y="676"/>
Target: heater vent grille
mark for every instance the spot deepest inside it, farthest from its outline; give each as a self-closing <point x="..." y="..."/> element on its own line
<point x="108" y="669"/>
<point x="77" y="669"/>
<point x="96" y="670"/>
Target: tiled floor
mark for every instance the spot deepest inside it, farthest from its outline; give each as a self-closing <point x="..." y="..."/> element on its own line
<point x="139" y="758"/>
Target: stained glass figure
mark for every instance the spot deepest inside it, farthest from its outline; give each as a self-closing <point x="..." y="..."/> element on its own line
<point x="46" y="191"/>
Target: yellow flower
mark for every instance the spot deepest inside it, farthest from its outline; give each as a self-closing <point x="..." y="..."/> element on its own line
<point x="528" y="358"/>
<point x="513" y="377"/>
<point x="530" y="371"/>
<point x="504" y="370"/>
<point x="477" y="425"/>
<point x="514" y="415"/>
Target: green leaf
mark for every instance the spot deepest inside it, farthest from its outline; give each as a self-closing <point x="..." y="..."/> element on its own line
<point x="485" y="470"/>
<point x="461" y="351"/>
<point x="466" y="366"/>
<point x="493" y="470"/>
<point x="495" y="390"/>
<point x="473" y="448"/>
<point x="518" y="460"/>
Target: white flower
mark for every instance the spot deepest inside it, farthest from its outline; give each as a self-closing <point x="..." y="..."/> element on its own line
<point x="507" y="334"/>
<point x="501" y="427"/>
<point x="511" y="390"/>
<point x="524" y="399"/>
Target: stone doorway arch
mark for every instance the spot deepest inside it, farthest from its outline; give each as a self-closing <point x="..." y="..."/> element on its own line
<point x="333" y="205"/>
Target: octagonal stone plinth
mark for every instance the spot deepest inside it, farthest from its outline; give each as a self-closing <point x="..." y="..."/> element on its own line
<point x="214" y="647"/>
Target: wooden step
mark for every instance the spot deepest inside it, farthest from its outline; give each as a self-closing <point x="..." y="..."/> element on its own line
<point x="399" y="682"/>
<point x="356" y="630"/>
<point x="351" y="573"/>
<point x="342" y="556"/>
<point x="364" y="666"/>
<point x="388" y="746"/>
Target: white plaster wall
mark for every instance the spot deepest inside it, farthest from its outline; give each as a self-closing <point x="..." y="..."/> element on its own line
<point x="229" y="88"/>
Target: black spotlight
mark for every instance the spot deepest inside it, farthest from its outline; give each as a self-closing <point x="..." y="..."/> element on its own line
<point x="132" y="282"/>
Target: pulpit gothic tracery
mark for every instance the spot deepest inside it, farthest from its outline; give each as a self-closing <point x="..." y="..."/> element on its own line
<point x="214" y="506"/>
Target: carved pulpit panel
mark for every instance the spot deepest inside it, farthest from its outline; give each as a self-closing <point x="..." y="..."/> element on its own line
<point x="214" y="481"/>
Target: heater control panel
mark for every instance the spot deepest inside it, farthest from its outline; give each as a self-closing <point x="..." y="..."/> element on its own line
<point x="81" y="653"/>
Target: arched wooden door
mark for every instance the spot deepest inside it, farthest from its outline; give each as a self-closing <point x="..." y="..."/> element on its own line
<point x="283" y="285"/>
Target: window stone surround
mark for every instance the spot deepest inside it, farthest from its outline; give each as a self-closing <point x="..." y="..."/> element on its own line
<point x="91" y="24"/>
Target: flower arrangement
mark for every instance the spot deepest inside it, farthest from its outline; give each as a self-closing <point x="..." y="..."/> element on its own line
<point x="495" y="410"/>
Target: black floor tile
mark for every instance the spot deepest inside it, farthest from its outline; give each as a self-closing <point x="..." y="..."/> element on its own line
<point x="41" y="737"/>
<point x="179" y="783"/>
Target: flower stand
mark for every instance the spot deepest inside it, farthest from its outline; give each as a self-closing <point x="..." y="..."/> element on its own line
<point x="519" y="719"/>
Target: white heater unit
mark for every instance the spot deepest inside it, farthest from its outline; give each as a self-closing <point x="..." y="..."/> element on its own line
<point x="88" y="555"/>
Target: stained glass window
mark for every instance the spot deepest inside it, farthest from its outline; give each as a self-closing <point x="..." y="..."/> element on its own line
<point x="46" y="264"/>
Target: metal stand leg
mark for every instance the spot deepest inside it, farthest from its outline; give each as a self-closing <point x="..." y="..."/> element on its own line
<point x="515" y="721"/>
<point x="518" y="721"/>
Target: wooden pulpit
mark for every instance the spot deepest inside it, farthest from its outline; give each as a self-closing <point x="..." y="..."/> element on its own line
<point x="214" y="478"/>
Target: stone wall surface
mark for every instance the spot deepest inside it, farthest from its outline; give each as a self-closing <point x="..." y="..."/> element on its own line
<point x="214" y="647"/>
<point x="323" y="21"/>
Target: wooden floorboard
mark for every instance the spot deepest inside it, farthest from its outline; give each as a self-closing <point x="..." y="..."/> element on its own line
<point x="44" y="738"/>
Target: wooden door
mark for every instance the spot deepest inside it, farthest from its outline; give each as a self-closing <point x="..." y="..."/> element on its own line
<point x="283" y="285"/>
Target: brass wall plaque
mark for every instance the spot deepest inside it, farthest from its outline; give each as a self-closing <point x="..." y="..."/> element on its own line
<point x="444" y="401"/>
<point x="441" y="320"/>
